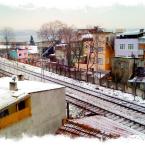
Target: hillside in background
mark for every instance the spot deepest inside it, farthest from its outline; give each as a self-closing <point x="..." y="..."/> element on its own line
<point x="23" y="35"/>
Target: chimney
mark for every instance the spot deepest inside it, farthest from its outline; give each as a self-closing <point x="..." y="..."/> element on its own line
<point x="141" y="30"/>
<point x="13" y="86"/>
<point x="20" y="77"/>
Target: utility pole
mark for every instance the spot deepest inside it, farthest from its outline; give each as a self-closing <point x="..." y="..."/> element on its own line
<point x="6" y="38"/>
<point x="134" y="69"/>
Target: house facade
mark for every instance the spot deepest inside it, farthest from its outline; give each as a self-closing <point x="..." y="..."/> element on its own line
<point x="20" y="54"/>
<point x="60" y="53"/>
<point x="129" y="54"/>
<point x="105" y="51"/>
<point x="142" y="46"/>
<point x="33" y="54"/>
<point x="97" y="51"/>
<point x="130" y="43"/>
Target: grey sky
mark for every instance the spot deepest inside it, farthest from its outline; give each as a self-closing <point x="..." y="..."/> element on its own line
<point x="28" y="16"/>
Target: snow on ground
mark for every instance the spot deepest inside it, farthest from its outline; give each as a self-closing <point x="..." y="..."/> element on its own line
<point x="107" y="91"/>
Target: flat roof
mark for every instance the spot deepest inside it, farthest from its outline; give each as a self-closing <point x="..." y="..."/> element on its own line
<point x="135" y="32"/>
<point x="96" y="126"/>
<point x="8" y="97"/>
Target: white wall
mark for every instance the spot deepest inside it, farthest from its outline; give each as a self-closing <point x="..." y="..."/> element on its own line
<point x="32" y="49"/>
<point x="126" y="52"/>
<point x="48" y="110"/>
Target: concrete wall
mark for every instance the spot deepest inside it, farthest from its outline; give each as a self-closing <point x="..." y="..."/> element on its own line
<point x="48" y="110"/>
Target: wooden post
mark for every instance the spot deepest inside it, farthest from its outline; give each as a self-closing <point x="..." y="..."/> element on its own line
<point x="93" y="79"/>
<point x="69" y="72"/>
<point x="65" y="70"/>
<point x="80" y="73"/>
<point x="75" y="72"/>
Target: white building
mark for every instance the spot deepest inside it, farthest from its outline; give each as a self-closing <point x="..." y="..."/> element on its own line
<point x="30" y="107"/>
<point x="127" y="44"/>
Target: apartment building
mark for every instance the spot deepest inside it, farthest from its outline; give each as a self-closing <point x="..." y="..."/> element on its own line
<point x="129" y="54"/>
<point x="97" y="50"/>
<point x="129" y="43"/>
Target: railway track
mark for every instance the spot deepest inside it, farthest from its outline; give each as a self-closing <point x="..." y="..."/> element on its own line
<point x="95" y="109"/>
<point x="86" y="98"/>
<point x="4" y="73"/>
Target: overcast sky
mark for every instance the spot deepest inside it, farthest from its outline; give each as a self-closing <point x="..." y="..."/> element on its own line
<point x="69" y="3"/>
<point x="31" y="14"/>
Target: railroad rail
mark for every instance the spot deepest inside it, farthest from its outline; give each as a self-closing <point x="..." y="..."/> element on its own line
<point x="72" y="91"/>
<point x="95" y="109"/>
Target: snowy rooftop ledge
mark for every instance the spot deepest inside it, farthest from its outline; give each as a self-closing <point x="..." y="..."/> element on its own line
<point x="103" y="90"/>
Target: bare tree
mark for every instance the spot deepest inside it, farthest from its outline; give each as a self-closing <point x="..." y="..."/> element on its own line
<point x="8" y="36"/>
<point x="57" y="30"/>
<point x="92" y="56"/>
<point x="49" y="31"/>
<point x="69" y="36"/>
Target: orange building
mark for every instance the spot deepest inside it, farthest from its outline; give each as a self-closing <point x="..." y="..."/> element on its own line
<point x="142" y="46"/>
<point x="104" y="43"/>
<point x="97" y="51"/>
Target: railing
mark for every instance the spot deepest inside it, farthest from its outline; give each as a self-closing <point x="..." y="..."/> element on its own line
<point x="15" y="117"/>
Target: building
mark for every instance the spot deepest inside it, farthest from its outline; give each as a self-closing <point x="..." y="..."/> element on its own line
<point x="97" y="50"/>
<point x="123" y="68"/>
<point x="105" y="50"/>
<point x="33" y="54"/>
<point x="88" y="59"/>
<point x="129" y="54"/>
<point x="30" y="107"/>
<point x="68" y="53"/>
<point x="61" y="53"/>
<point x="25" y="54"/>
<point x="127" y="44"/>
<point x="43" y="46"/>
<point x="20" y="53"/>
<point x="142" y="46"/>
<point x="6" y="47"/>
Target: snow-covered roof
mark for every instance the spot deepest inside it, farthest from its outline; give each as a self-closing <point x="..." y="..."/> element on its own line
<point x="25" y="87"/>
<point x="32" y="49"/>
<point x="135" y="32"/>
<point x="21" y="47"/>
<point x="61" y="45"/>
<point x="137" y="80"/>
<point x="87" y="36"/>
<point x="4" y="46"/>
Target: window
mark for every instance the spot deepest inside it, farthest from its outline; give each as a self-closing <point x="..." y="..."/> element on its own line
<point x="91" y="49"/>
<point x="100" y="49"/>
<point x="130" y="46"/>
<point x="122" y="46"/>
<point x="100" y="61"/>
<point x="12" y="113"/>
<point x="21" y="105"/>
<point x="4" y="113"/>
